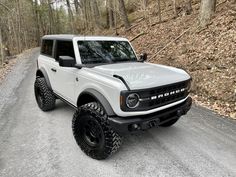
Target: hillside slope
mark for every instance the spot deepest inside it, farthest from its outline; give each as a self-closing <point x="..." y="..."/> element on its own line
<point x="209" y="54"/>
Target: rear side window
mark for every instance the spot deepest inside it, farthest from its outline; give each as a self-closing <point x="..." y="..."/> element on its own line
<point x="47" y="46"/>
<point x="64" y="48"/>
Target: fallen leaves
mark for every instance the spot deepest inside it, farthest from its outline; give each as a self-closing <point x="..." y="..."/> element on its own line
<point x="6" y="68"/>
<point x="209" y="55"/>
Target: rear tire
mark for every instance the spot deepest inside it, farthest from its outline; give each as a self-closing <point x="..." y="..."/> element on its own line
<point x="44" y="95"/>
<point x="169" y="123"/>
<point x="93" y="133"/>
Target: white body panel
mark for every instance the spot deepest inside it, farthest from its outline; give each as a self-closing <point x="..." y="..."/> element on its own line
<point x="143" y="75"/>
<point x="137" y="75"/>
<point x="65" y="83"/>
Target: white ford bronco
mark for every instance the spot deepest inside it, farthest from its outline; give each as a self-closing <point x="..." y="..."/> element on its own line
<point x="113" y="91"/>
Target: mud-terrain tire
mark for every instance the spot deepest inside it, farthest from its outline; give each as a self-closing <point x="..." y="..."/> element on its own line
<point x="169" y="123"/>
<point x="44" y="95"/>
<point x="93" y="133"/>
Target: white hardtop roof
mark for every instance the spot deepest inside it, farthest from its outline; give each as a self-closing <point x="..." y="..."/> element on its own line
<point x="81" y="37"/>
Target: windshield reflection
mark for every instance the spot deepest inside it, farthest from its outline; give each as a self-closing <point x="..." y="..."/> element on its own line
<point x="92" y="52"/>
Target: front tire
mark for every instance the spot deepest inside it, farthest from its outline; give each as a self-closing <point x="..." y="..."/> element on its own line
<point x="93" y="133"/>
<point x="44" y="95"/>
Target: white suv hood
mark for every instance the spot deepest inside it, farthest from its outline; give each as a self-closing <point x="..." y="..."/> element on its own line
<point x="143" y="75"/>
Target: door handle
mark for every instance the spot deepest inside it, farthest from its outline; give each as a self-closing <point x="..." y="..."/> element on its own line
<point x="53" y="69"/>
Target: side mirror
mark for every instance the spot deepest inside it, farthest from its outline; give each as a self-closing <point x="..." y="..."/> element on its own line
<point x="143" y="57"/>
<point x="66" y="61"/>
<point x="79" y="66"/>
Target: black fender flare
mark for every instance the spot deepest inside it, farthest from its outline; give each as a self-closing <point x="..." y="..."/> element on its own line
<point x="99" y="98"/>
<point x="41" y="72"/>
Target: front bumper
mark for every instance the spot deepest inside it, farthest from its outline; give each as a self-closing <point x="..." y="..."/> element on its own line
<point x="124" y="125"/>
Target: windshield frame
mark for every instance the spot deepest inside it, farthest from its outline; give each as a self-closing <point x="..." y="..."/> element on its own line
<point x="92" y="38"/>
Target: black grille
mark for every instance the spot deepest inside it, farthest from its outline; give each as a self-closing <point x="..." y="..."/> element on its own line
<point x="152" y="98"/>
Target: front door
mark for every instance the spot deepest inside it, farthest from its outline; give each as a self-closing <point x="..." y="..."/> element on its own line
<point x="65" y="77"/>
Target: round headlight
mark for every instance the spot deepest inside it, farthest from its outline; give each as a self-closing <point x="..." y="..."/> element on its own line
<point x="132" y="100"/>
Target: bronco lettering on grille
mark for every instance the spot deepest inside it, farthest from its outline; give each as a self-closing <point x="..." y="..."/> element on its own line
<point x="166" y="94"/>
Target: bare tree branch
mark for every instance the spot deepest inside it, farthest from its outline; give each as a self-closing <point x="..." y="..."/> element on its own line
<point x="5" y="6"/>
<point x="170" y="43"/>
<point x="137" y="36"/>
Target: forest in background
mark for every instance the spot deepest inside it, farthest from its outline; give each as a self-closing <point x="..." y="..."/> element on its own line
<point x="24" y="22"/>
<point x="196" y="35"/>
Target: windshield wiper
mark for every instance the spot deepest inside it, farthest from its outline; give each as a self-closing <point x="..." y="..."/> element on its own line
<point x="125" y="60"/>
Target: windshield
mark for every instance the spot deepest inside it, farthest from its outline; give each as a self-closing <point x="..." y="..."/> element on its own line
<point x="105" y="52"/>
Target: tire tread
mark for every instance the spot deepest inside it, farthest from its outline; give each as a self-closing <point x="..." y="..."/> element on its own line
<point x="112" y="139"/>
<point x="48" y="96"/>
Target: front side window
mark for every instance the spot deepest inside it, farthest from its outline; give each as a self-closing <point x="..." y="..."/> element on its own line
<point x="64" y="48"/>
<point x="105" y="52"/>
<point x="47" y="46"/>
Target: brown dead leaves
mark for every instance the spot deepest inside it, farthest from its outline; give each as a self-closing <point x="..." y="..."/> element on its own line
<point x="208" y="54"/>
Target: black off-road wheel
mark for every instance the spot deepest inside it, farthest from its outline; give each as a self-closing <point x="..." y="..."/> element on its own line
<point x="169" y="123"/>
<point x="44" y="95"/>
<point x="93" y="133"/>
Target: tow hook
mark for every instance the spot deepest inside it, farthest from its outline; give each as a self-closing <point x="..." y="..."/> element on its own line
<point x="154" y="123"/>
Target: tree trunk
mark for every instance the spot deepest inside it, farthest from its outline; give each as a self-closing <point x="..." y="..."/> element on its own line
<point x="189" y="8"/>
<point x="174" y="8"/>
<point x="159" y="10"/>
<point x="36" y="13"/>
<point x="71" y="17"/>
<point x="24" y="36"/>
<point x="145" y="3"/>
<point x="115" y="17"/>
<point x="107" y="15"/>
<point x="1" y="47"/>
<point x="26" y="40"/>
<point x="76" y="6"/>
<point x="58" y="20"/>
<point x="18" y="19"/>
<point x="15" y="36"/>
<point x="97" y="16"/>
<point x="206" y="11"/>
<point x="90" y="17"/>
<point x="124" y="16"/>
<point x="51" y="19"/>
<point x="111" y="14"/>
<point x="11" y="34"/>
<point x="85" y="14"/>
